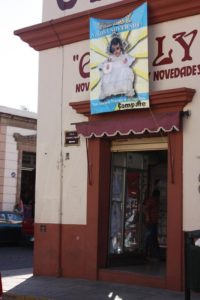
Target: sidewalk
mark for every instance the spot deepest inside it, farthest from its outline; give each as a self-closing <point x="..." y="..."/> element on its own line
<point x="22" y="285"/>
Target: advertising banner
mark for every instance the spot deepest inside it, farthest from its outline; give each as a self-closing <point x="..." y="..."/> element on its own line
<point x="119" y="77"/>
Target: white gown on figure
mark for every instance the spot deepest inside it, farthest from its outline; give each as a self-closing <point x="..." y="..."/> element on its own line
<point x="117" y="76"/>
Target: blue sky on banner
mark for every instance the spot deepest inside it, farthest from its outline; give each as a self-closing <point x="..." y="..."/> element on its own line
<point x="135" y="20"/>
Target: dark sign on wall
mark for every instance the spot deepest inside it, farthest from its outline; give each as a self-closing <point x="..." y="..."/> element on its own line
<point x="71" y="138"/>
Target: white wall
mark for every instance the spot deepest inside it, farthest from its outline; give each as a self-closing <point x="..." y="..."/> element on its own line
<point x="11" y="164"/>
<point x="51" y="9"/>
<point x="75" y="169"/>
<point x="61" y="184"/>
<point x="49" y="136"/>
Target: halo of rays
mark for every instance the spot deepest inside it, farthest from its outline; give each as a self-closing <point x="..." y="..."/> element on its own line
<point x="137" y="41"/>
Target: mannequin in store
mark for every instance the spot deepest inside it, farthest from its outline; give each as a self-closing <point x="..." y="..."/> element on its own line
<point x="151" y="211"/>
<point x="116" y="211"/>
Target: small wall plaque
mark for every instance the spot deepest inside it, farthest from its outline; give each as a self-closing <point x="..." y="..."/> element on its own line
<point x="71" y="138"/>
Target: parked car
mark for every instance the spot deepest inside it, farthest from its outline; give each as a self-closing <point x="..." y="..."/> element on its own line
<point x="28" y="229"/>
<point x="10" y="226"/>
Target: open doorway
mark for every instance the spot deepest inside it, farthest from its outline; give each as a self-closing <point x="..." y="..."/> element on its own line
<point x="28" y="183"/>
<point x="134" y="177"/>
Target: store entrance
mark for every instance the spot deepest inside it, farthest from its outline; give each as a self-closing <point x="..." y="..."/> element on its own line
<point x="133" y="240"/>
<point x="27" y="193"/>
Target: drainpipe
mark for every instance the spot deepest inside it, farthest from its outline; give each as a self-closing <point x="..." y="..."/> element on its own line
<point x="61" y="161"/>
<point x="59" y="274"/>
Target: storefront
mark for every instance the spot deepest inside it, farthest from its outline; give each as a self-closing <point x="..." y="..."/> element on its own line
<point x="142" y="150"/>
<point x="95" y="172"/>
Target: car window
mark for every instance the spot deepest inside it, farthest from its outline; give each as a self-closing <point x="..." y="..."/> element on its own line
<point x="2" y="218"/>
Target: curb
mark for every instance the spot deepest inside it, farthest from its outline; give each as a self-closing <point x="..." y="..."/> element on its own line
<point x="9" y="296"/>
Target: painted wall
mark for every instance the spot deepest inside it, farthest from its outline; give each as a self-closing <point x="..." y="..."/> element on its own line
<point x="184" y="71"/>
<point x="48" y="170"/>
<point x="52" y="10"/>
<point x="62" y="183"/>
<point x="61" y="186"/>
<point x="11" y="166"/>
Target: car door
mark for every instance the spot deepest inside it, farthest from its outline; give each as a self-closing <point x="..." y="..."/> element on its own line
<point x="14" y="223"/>
<point x="3" y="227"/>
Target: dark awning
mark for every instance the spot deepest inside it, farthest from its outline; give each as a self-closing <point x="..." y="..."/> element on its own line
<point x="150" y="123"/>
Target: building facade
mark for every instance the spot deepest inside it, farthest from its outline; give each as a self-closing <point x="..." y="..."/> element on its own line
<point x="77" y="210"/>
<point x="18" y="146"/>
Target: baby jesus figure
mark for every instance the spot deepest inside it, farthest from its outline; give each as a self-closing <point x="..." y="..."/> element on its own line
<point x="117" y="77"/>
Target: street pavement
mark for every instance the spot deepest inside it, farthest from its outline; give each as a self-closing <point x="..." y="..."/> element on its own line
<point x="15" y="257"/>
<point x="20" y="284"/>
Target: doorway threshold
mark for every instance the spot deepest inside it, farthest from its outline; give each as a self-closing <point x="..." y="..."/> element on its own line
<point x="154" y="268"/>
<point x="152" y="274"/>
